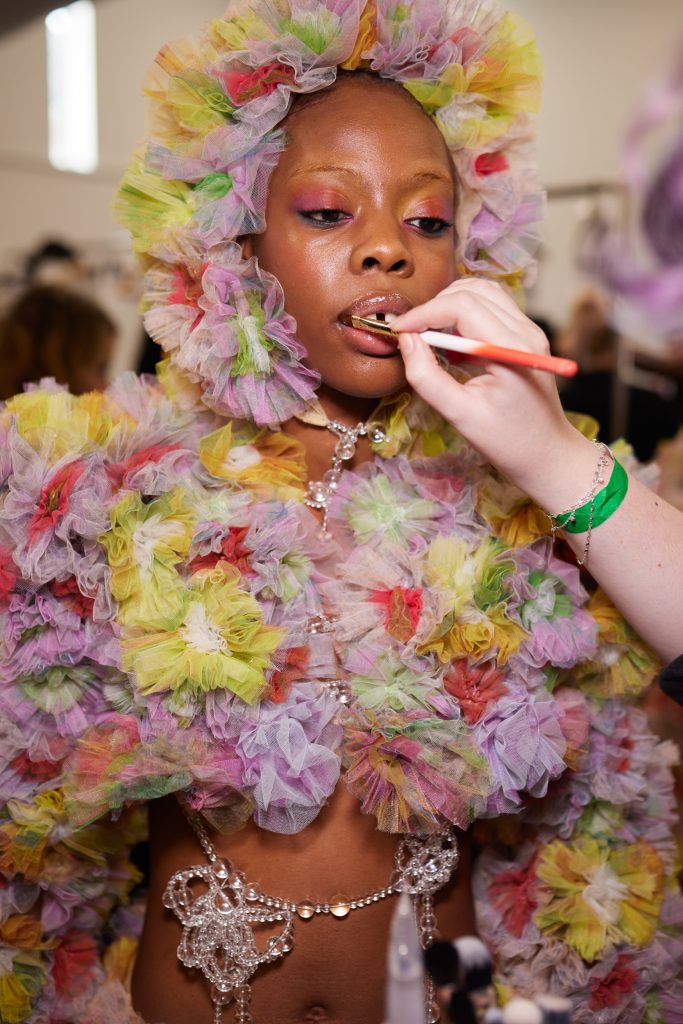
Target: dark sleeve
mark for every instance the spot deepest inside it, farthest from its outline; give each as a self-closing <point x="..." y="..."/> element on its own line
<point x="671" y="679"/>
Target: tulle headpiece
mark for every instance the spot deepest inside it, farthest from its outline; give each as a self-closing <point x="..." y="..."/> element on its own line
<point x="216" y="133"/>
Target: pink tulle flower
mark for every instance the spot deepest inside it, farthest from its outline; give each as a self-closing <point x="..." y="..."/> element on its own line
<point x="234" y="339"/>
<point x="54" y="515"/>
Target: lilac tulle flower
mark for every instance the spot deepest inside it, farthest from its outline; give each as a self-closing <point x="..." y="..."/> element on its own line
<point x="290" y="756"/>
<point x="547" y="599"/>
<point x="523" y="742"/>
<point x="230" y="192"/>
<point x="227" y="330"/>
<point x="41" y="631"/>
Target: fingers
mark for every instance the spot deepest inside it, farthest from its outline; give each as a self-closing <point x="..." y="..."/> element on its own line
<point x="476" y="309"/>
<point x="430" y="380"/>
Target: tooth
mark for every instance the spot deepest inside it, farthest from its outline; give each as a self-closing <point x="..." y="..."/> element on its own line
<point x="390" y="317"/>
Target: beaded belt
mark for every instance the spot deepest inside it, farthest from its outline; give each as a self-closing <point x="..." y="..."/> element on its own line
<point x="219" y="921"/>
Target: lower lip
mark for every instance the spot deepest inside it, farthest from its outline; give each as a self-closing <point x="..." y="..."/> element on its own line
<point x="369" y="343"/>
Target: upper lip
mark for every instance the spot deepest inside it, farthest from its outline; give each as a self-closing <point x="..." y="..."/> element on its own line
<point x="377" y="302"/>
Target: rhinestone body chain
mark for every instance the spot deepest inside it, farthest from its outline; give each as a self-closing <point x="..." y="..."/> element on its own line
<point x="219" y="921"/>
<point x="320" y="492"/>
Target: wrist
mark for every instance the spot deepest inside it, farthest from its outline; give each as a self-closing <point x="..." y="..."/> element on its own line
<point x="561" y="472"/>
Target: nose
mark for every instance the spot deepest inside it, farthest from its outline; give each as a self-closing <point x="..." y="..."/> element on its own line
<point x="383" y="247"/>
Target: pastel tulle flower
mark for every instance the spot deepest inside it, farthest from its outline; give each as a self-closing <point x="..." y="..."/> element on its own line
<point x="55" y="514"/>
<point x="144" y="544"/>
<point x="220" y="641"/>
<point x="378" y="508"/>
<point x="228" y="331"/>
<point x="549" y="599"/>
<point x="413" y="776"/>
<point x="41" y="631"/>
<point x="290" y="753"/>
<point x="259" y="459"/>
<point x="522" y="740"/>
<point x="594" y="896"/>
<point x="624" y="665"/>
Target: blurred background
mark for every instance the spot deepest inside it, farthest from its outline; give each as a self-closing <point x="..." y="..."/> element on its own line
<point x="72" y="113"/>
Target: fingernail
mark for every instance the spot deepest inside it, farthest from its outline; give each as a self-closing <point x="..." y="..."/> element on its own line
<point x="407" y="344"/>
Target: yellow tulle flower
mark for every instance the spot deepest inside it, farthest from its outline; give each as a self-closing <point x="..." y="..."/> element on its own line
<point x="259" y="459"/>
<point x="505" y="83"/>
<point x="55" y="424"/>
<point x="119" y="959"/>
<point x="626" y="665"/>
<point x="594" y="897"/>
<point x="462" y="630"/>
<point x="177" y="386"/>
<point x="21" y="979"/>
<point x="510" y="514"/>
<point x="152" y="207"/>
<point x="188" y="104"/>
<point x="106" y="421"/>
<point x="221" y="642"/>
<point x="24" y="838"/>
<point x="144" y="545"/>
<point x="367" y="36"/>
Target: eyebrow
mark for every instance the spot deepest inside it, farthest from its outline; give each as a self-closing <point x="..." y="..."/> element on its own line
<point x="421" y="176"/>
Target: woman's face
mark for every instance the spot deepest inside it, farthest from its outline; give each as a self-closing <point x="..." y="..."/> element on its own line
<point x="359" y="220"/>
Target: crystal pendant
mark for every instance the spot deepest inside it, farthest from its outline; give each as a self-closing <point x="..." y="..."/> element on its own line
<point x="219" y="922"/>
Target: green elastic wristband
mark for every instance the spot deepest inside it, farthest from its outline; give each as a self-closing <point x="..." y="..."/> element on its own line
<point x="604" y="504"/>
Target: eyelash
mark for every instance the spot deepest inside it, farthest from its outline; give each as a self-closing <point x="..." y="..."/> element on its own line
<point x="432" y="227"/>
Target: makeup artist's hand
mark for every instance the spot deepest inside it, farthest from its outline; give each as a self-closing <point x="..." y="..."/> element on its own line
<point x="513" y="417"/>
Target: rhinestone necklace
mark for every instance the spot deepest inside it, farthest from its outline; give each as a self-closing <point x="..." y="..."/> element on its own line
<point x="219" y="922"/>
<point x="320" y="492"/>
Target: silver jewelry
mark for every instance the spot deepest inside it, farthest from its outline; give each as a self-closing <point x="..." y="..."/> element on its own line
<point x="219" y="921"/>
<point x="320" y="492"/>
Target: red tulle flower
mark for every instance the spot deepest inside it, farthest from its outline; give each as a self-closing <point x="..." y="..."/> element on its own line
<point x="75" y="600"/>
<point x="402" y="610"/>
<point x="119" y="471"/>
<point x="610" y="990"/>
<point x="233" y="550"/>
<point x="244" y="86"/>
<point x="490" y="163"/>
<point x="8" y="573"/>
<point x="295" y="668"/>
<point x="54" y="498"/>
<point x="513" y="895"/>
<point x="474" y="687"/>
<point x="75" y="964"/>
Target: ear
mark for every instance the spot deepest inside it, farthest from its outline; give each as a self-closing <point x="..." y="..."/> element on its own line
<point x="247" y="244"/>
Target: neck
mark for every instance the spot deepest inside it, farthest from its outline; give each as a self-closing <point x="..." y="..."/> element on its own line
<point x="320" y="443"/>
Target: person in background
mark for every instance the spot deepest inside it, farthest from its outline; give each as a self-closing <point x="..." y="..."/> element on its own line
<point x="51" y="331"/>
<point x="590" y="338"/>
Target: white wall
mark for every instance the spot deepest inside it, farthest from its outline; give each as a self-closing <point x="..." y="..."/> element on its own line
<point x="598" y="56"/>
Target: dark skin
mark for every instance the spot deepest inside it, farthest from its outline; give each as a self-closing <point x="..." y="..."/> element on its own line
<point x="381" y="223"/>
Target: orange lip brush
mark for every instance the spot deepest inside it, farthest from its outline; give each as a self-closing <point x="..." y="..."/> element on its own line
<point x="476" y="349"/>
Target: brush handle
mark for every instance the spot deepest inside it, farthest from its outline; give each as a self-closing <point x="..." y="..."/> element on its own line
<point x="498" y="354"/>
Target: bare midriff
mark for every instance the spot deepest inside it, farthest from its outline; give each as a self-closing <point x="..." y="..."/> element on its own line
<point x="335" y="972"/>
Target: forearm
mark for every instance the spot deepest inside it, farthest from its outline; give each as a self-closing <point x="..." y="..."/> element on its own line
<point x="636" y="555"/>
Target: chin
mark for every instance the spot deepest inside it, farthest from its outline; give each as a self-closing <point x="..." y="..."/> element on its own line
<point x="374" y="383"/>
